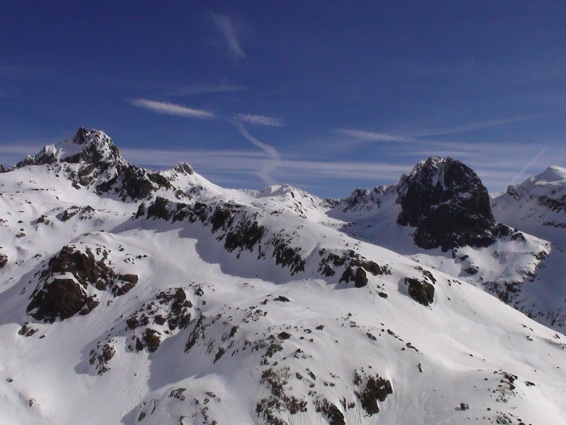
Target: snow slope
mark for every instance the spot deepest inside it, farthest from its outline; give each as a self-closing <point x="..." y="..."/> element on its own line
<point x="137" y="297"/>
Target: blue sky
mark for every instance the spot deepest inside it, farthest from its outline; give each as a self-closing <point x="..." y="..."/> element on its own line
<point x="324" y="95"/>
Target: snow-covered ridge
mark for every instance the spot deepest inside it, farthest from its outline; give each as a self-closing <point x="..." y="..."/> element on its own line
<point x="139" y="297"/>
<point x="88" y="146"/>
<point x="553" y="174"/>
<point x="538" y="202"/>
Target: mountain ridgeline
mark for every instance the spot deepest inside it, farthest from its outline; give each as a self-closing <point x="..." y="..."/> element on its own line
<point x="146" y="297"/>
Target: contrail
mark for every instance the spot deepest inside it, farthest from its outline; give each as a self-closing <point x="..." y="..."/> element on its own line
<point x="527" y="166"/>
<point x="268" y="165"/>
<point x="225" y="26"/>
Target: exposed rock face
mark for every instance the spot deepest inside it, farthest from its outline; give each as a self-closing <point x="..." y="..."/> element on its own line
<point x="332" y="413"/>
<point x="62" y="298"/>
<point x="376" y="389"/>
<point x="183" y="167"/>
<point x="134" y="183"/>
<point x="66" y="280"/>
<point x="448" y="204"/>
<point x="421" y="291"/>
<point x="3" y="260"/>
<point x="363" y="199"/>
<point x="84" y="267"/>
<point x="361" y="278"/>
<point x="96" y="146"/>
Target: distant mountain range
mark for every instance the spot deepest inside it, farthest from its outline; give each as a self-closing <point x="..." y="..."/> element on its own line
<point x="157" y="297"/>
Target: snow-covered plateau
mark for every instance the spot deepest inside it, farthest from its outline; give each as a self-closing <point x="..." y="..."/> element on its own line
<point x="131" y="296"/>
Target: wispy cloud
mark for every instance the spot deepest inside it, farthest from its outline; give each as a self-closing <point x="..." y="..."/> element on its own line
<point x="171" y="109"/>
<point x="470" y="127"/>
<point x="227" y="165"/>
<point x="11" y="154"/>
<point x="195" y="89"/>
<point x="270" y="150"/>
<point x="232" y="160"/>
<point x="424" y="135"/>
<point x="225" y="26"/>
<point x="497" y="164"/>
<point x="368" y="136"/>
<point x="19" y="150"/>
<point x="268" y="165"/>
<point x="240" y="168"/>
<point x="260" y="120"/>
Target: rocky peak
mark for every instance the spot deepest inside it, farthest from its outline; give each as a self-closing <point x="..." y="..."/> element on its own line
<point x="90" y="159"/>
<point x="87" y="147"/>
<point x="91" y="147"/>
<point x="364" y="199"/>
<point x="81" y="136"/>
<point x="448" y="204"/>
<point x="184" y="168"/>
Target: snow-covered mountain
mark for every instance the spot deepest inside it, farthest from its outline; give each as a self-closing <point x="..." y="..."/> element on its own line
<point x="440" y="215"/>
<point x="538" y="206"/>
<point x="140" y="297"/>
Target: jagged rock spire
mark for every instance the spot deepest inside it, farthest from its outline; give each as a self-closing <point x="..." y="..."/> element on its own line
<point x="81" y="136"/>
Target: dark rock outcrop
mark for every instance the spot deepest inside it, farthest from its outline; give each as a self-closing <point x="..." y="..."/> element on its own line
<point x="363" y="199"/>
<point x="3" y="260"/>
<point x="448" y="204"/>
<point x="421" y="291"/>
<point x="134" y="183"/>
<point x="376" y="389"/>
<point x="73" y="211"/>
<point x="556" y="205"/>
<point x="159" y="209"/>
<point x="332" y="413"/>
<point x="184" y="168"/>
<point x="65" y="280"/>
<point x="287" y="255"/>
<point x="179" y="315"/>
<point x="62" y="298"/>
<point x="361" y="278"/>
<point x="152" y="339"/>
<point x="351" y="261"/>
<point x="84" y="267"/>
<point x="158" y="319"/>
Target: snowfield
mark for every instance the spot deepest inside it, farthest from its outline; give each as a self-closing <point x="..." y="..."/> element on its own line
<point x="136" y="297"/>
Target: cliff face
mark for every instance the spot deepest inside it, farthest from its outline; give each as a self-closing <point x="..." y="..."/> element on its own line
<point x="448" y="204"/>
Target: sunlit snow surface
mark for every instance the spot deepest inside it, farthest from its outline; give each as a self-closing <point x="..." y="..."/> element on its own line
<point x="257" y="331"/>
